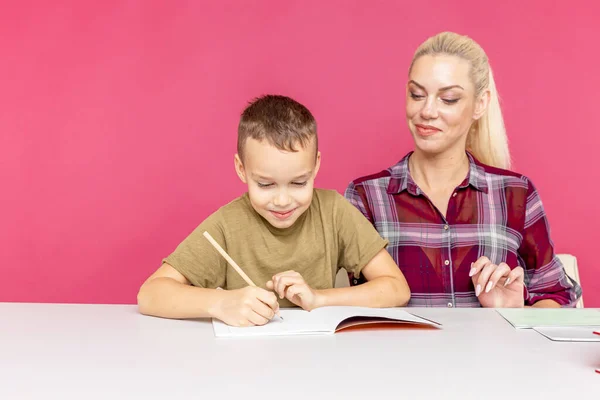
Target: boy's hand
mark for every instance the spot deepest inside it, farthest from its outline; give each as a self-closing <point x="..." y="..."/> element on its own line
<point x="292" y="286"/>
<point x="497" y="285"/>
<point x="246" y="307"/>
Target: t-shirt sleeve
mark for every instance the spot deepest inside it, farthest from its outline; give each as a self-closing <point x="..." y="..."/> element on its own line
<point x="197" y="260"/>
<point x="358" y="241"/>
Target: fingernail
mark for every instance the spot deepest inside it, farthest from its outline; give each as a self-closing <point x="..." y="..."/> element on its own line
<point x="472" y="271"/>
<point x="507" y="280"/>
<point x="488" y="287"/>
<point x="477" y="290"/>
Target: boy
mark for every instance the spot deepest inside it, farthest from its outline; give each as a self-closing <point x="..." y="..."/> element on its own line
<point x="287" y="236"/>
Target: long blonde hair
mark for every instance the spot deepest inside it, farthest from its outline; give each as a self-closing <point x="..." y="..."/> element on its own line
<point x="486" y="139"/>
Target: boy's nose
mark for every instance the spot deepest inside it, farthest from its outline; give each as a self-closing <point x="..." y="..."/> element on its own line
<point x="282" y="199"/>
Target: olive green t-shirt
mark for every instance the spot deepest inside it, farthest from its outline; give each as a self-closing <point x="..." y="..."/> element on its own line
<point x="331" y="234"/>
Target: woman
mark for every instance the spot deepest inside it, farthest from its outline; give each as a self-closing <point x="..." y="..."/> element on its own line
<point x="465" y="231"/>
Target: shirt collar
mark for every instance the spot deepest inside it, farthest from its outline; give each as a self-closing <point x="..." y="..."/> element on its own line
<point x="400" y="178"/>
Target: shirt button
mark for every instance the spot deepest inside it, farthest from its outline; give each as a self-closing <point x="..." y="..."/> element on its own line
<point x="447" y="262"/>
<point x="446" y="227"/>
<point x="454" y="194"/>
<point x="450" y="305"/>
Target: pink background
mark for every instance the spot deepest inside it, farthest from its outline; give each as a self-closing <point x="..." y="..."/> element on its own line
<point x="118" y="118"/>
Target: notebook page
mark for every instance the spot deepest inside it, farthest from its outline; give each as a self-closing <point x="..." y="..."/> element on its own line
<point x="295" y="322"/>
<point x="317" y="322"/>
<point x="333" y="316"/>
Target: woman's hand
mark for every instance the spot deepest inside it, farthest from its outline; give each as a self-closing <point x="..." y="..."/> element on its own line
<point x="497" y="286"/>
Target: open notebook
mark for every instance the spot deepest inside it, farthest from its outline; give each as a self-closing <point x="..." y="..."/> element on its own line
<point x="557" y="324"/>
<point x="522" y="318"/>
<point x="323" y="321"/>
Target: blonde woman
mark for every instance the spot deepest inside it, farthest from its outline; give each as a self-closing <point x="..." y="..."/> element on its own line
<point x="465" y="231"/>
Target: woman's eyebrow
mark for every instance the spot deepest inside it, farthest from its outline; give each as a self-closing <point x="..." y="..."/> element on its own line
<point x="441" y="90"/>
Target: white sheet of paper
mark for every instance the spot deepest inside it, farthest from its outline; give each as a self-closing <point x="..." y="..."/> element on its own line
<point x="550" y="317"/>
<point x="572" y="334"/>
<point x="322" y="321"/>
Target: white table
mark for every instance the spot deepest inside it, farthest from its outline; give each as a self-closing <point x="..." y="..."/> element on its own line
<point x="66" y="351"/>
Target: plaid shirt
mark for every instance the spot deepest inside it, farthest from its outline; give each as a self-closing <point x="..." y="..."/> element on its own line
<point x="493" y="212"/>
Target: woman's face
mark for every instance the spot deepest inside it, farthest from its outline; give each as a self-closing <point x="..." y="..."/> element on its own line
<point x="441" y="104"/>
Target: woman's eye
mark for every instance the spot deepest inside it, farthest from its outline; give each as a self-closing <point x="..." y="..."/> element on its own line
<point x="450" y="101"/>
<point x="264" y="185"/>
<point x="299" y="183"/>
<point x="416" y="96"/>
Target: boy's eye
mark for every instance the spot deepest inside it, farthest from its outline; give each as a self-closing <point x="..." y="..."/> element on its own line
<point x="416" y="96"/>
<point x="300" y="183"/>
<point x="264" y="185"/>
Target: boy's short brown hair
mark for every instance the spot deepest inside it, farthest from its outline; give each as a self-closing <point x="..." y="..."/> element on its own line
<point x="282" y="121"/>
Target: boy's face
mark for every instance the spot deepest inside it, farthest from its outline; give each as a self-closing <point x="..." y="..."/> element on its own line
<point x="280" y="183"/>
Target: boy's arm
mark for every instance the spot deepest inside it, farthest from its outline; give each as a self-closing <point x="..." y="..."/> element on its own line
<point x="185" y="285"/>
<point x="386" y="287"/>
<point x="169" y="294"/>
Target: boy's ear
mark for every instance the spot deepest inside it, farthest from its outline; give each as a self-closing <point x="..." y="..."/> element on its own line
<point x="239" y="168"/>
<point x="318" y="163"/>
